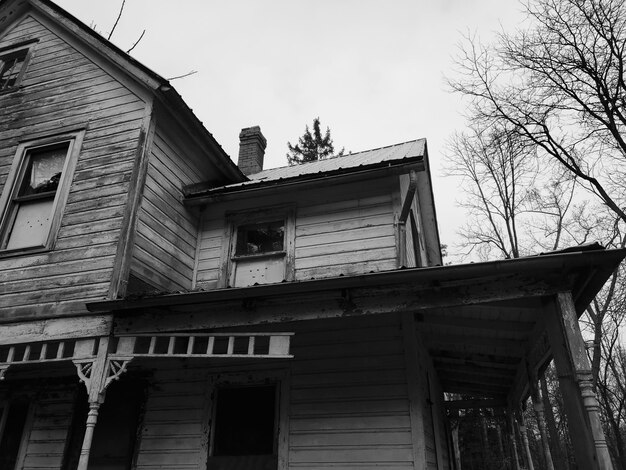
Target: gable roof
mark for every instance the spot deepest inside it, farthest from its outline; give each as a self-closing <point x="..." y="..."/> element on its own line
<point x="413" y="151"/>
<point x="161" y="87"/>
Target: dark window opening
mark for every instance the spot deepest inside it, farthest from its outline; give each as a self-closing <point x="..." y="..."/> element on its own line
<point x="244" y="431"/>
<point x="12" y="422"/>
<point x="11" y="67"/>
<point x="253" y="239"/>
<point x="115" y="434"/>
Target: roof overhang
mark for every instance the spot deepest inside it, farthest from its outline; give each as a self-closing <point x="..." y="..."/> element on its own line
<point x="581" y="272"/>
<point x="479" y="322"/>
<point x="200" y="194"/>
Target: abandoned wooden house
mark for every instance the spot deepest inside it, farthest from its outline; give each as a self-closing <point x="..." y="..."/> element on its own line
<point x="161" y="307"/>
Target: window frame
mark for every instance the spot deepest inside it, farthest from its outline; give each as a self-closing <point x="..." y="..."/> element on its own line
<point x="9" y="199"/>
<point x="15" y="49"/>
<point x="285" y="213"/>
<point x="280" y="378"/>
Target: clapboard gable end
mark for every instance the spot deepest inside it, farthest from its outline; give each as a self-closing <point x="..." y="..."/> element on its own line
<point x="75" y="81"/>
<point x="67" y="88"/>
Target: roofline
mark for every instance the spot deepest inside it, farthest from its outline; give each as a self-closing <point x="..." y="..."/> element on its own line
<point x="600" y="262"/>
<point x="198" y="194"/>
<point x="160" y="86"/>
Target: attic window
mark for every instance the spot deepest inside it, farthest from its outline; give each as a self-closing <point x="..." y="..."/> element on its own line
<point x="12" y="65"/>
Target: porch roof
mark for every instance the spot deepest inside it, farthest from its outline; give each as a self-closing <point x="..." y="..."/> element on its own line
<point x="481" y="323"/>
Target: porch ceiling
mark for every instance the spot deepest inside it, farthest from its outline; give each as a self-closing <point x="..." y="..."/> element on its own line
<point x="477" y="350"/>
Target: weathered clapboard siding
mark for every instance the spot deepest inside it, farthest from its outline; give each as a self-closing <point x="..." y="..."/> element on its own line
<point x="49" y="431"/>
<point x="348" y="237"/>
<point x="348" y="400"/>
<point x="165" y="244"/>
<point x="63" y="89"/>
<point x="172" y="432"/>
<point x="340" y="230"/>
<point x="349" y="409"/>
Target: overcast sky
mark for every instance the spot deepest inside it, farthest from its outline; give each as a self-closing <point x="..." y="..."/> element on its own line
<point x="372" y="70"/>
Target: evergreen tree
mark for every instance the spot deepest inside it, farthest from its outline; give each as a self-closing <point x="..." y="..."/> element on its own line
<point x="312" y="146"/>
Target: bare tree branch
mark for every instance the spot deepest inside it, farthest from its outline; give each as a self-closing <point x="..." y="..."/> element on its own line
<point x="119" y="15"/>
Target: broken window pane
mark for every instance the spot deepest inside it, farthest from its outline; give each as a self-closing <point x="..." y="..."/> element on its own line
<point x="260" y="238"/>
<point x="10" y="68"/>
<point x="44" y="171"/>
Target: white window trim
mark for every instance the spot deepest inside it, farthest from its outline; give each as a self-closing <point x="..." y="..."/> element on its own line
<point x="279" y="377"/>
<point x="268" y="214"/>
<point x="15" y="177"/>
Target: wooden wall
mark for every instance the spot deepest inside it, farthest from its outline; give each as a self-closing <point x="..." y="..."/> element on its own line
<point x="64" y="89"/>
<point x="166" y="238"/>
<point x="347" y="229"/>
<point x="52" y="415"/>
<point x="348" y="401"/>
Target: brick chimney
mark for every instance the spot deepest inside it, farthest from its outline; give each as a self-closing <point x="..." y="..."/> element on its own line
<point x="251" y="150"/>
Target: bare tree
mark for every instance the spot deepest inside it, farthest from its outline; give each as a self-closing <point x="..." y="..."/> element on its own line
<point x="498" y="179"/>
<point x="560" y="83"/>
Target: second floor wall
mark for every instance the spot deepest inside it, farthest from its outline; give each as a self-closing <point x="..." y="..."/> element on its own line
<point x="320" y="232"/>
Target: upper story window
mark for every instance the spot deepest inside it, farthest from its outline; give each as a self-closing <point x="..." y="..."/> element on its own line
<point x="260" y="247"/>
<point x="35" y="192"/>
<point x="12" y="66"/>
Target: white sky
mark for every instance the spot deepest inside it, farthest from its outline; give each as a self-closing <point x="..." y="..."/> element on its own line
<point x="372" y="70"/>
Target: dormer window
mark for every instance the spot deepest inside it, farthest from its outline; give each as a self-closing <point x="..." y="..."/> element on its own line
<point x="260" y="247"/>
<point x="12" y="66"/>
<point x="36" y="190"/>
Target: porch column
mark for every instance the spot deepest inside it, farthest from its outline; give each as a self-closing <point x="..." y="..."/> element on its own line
<point x="96" y="373"/>
<point x="575" y="380"/>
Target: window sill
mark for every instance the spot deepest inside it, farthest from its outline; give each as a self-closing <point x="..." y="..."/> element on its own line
<point x="23" y="251"/>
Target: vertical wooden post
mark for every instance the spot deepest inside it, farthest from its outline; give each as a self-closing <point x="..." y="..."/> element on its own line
<point x="575" y="380"/>
<point x="92" y="419"/>
<point x="523" y="430"/>
<point x="95" y="382"/>
<point x="415" y="391"/>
